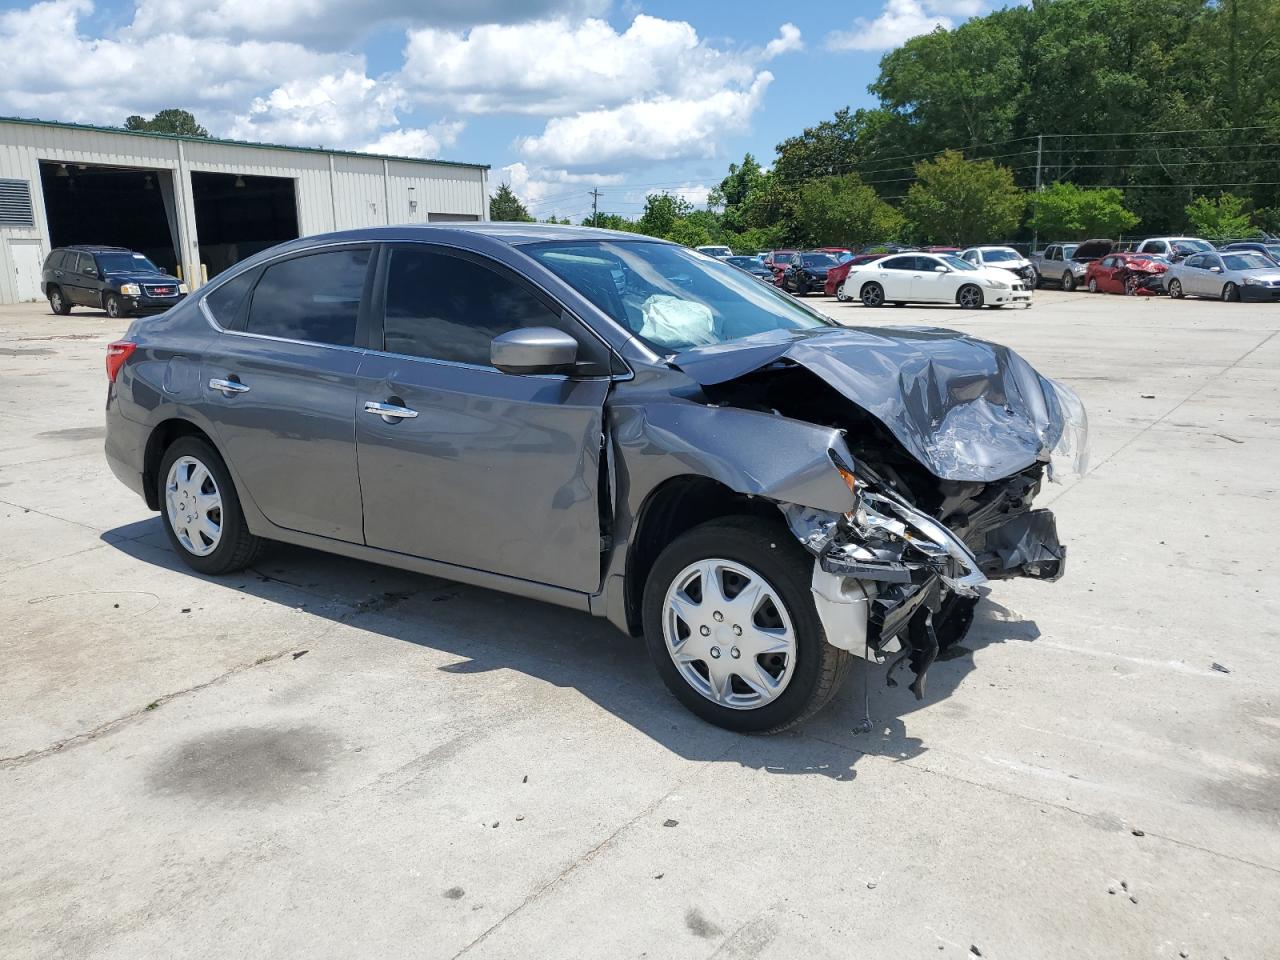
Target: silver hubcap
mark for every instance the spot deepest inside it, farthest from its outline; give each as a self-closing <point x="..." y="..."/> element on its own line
<point x="57" y="302"/>
<point x="112" y="309"/>
<point x="729" y="634"/>
<point x="1175" y="289"/>
<point x="194" y="506"/>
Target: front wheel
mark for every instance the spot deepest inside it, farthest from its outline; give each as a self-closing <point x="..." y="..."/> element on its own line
<point x="1175" y="289"/>
<point x="1231" y="293"/>
<point x="1068" y="281"/>
<point x="730" y="624"/>
<point x="114" y="306"/>
<point x="201" y="511"/>
<point x="58" y="303"/>
<point x="970" y="297"/>
<point x="872" y="295"/>
<point x="1131" y="286"/>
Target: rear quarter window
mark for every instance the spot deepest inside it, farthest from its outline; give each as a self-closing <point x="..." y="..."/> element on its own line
<point x="226" y="302"/>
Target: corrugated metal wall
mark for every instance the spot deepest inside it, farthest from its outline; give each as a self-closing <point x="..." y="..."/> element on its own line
<point x="334" y="191"/>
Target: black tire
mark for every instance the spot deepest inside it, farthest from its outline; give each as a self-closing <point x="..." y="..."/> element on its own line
<point x="1231" y="293"/>
<point x="114" y="306"/>
<point x="1068" y="281"/>
<point x="770" y="550"/>
<point x="965" y="296"/>
<point x="237" y="548"/>
<point x="1093" y="284"/>
<point x="841" y="295"/>
<point x="1131" y="286"/>
<point x="871" y="295"/>
<point x="1175" y="289"/>
<point x="58" y="301"/>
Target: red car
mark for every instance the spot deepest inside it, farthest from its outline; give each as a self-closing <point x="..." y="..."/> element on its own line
<point x="1133" y="274"/>
<point x="836" y="275"/>
<point x="777" y="262"/>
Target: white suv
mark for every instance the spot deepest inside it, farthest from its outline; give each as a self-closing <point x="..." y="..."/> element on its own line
<point x="1174" y="248"/>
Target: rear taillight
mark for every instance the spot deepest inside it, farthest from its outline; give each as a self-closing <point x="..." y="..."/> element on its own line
<point x="117" y="354"/>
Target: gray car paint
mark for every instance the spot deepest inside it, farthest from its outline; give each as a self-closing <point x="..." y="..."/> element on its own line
<point x="656" y="430"/>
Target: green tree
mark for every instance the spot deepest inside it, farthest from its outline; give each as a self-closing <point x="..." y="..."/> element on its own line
<point x="688" y="232"/>
<point x="733" y="190"/>
<point x="661" y="211"/>
<point x="505" y="205"/>
<point x="959" y="201"/>
<point x="610" y="221"/>
<point x="1220" y="218"/>
<point x="171" y="120"/>
<point x="1065" y="211"/>
<point x="843" y="211"/>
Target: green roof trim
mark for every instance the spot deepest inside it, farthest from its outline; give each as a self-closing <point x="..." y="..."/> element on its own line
<point x="62" y="125"/>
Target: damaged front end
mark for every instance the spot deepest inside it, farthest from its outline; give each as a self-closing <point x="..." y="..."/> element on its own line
<point x="891" y="580"/>
<point x="948" y="441"/>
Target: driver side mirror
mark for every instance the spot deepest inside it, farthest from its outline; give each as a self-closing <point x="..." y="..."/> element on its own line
<point x="1215" y="269"/>
<point x="533" y="350"/>
<point x="940" y="268"/>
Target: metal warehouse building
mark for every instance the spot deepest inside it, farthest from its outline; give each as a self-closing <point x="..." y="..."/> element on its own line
<point x="196" y="205"/>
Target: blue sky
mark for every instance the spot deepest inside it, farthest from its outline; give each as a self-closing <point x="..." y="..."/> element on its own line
<point x="557" y="95"/>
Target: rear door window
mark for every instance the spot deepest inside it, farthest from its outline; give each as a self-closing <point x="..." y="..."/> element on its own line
<point x="315" y="297"/>
<point x="226" y="302"/>
<point x="899" y="263"/>
<point x="445" y="307"/>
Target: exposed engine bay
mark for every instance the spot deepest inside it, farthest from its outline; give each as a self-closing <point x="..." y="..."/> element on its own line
<point x="943" y="476"/>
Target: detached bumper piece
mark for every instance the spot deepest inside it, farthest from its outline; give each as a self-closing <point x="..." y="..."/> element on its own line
<point x="890" y="579"/>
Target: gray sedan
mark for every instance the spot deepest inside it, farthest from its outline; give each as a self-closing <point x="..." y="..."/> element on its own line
<point x="606" y="422"/>
<point x="1225" y="276"/>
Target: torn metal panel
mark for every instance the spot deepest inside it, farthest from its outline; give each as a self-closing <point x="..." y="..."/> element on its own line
<point x="968" y="410"/>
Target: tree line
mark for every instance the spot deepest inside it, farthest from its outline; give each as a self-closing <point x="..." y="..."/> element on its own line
<point x="1061" y="119"/>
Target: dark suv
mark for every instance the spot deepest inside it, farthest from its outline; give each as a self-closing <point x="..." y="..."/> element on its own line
<point x="113" y="279"/>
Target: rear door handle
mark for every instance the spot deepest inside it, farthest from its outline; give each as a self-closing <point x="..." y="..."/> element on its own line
<point x="389" y="412"/>
<point x="229" y="388"/>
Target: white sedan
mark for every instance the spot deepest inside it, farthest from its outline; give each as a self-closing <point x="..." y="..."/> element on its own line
<point x="932" y="278"/>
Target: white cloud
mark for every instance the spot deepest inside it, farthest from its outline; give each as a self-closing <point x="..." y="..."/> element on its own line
<point x="661" y="129"/>
<point x="331" y="110"/>
<point x="537" y="185"/>
<point x="334" y="22"/>
<point x="417" y="142"/>
<point x="899" y="21"/>
<point x="559" y="66"/>
<point x="787" y="41"/>
<point x="99" y="79"/>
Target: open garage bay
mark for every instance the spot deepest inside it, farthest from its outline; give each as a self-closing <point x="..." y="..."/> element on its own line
<point x="373" y="763"/>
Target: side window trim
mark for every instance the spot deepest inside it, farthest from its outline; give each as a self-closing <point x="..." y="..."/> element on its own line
<point x="377" y="310"/>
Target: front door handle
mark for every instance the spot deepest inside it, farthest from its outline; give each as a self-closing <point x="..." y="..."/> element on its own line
<point x="229" y="388"/>
<point x="389" y="412"/>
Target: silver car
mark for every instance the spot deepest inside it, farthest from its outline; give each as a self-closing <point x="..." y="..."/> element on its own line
<point x="1228" y="275"/>
<point x="607" y="422"/>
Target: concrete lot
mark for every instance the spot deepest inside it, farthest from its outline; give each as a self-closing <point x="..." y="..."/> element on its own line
<point x="328" y="758"/>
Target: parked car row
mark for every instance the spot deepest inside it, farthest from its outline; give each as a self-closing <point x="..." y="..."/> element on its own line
<point x="1179" y="266"/>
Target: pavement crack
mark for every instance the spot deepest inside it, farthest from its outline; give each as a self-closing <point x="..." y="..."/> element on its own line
<point x="110" y="726"/>
<point x="593" y="853"/>
<point x="1038" y="801"/>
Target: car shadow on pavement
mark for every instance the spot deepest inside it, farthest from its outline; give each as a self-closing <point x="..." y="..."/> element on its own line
<point x="489" y="631"/>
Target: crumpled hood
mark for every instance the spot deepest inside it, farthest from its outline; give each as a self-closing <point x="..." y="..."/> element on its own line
<point x="965" y="408"/>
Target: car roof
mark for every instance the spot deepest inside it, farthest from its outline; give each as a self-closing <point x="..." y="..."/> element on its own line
<point x="94" y="248"/>
<point x="509" y="232"/>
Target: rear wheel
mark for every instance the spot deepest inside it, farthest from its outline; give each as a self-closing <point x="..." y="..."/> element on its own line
<point x="1231" y="293"/>
<point x="872" y="295"/>
<point x="58" y="303"/>
<point x="730" y="624"/>
<point x="1175" y="289"/>
<point x="970" y="297"/>
<point x="1093" y="284"/>
<point x="841" y="295"/>
<point x="201" y="511"/>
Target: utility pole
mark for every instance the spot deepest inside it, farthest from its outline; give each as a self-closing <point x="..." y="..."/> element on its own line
<point x="1035" y="234"/>
<point x="595" y="206"/>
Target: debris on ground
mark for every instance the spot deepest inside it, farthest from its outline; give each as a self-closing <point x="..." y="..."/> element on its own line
<point x="186" y="609"/>
<point x="1220" y="668"/>
<point x="1139" y="833"/>
<point x="519" y="816"/>
<point x="1147" y="396"/>
<point x="658" y="876"/>
<point x="974" y="950"/>
<point x="300" y="653"/>
<point x="526" y="779"/>
<point x="495" y="824"/>
<point x="1226" y="437"/>
<point x="671" y="823"/>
